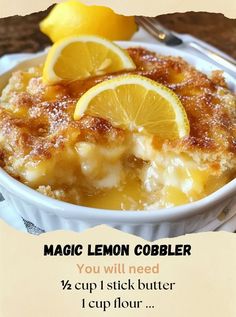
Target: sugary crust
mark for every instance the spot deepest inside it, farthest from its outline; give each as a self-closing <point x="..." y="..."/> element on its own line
<point x="37" y="121"/>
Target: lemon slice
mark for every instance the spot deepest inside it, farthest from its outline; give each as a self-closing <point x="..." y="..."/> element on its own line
<point x="136" y="103"/>
<point x="79" y="57"/>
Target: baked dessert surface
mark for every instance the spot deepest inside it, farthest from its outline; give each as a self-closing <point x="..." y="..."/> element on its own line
<point x="89" y="162"/>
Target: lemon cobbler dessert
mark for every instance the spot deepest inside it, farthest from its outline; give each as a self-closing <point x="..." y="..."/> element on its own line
<point x="114" y="129"/>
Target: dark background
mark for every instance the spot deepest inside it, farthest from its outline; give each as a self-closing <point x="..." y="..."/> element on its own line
<point x="21" y="34"/>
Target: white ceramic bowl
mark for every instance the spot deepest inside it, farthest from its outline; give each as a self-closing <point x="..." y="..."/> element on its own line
<point x="50" y="214"/>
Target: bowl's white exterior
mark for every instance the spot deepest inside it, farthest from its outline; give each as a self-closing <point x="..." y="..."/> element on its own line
<point x="49" y="214"/>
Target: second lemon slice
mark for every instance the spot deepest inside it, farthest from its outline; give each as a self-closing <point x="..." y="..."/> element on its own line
<point x="79" y="57"/>
<point x="136" y="103"/>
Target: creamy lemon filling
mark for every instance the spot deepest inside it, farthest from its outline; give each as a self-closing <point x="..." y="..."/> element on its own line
<point x="134" y="176"/>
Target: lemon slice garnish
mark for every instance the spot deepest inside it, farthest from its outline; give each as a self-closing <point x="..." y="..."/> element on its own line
<point x="79" y="57"/>
<point x="136" y="103"/>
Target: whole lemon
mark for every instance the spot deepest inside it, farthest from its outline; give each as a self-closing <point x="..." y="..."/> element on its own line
<point x="75" y="18"/>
